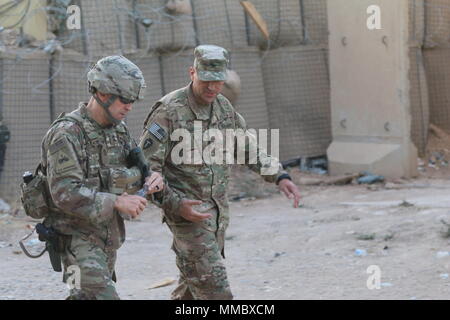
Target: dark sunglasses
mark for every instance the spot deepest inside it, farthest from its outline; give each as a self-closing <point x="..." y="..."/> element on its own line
<point x="125" y="101"/>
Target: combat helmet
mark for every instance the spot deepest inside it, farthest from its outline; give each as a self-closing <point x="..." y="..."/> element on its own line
<point x="118" y="76"/>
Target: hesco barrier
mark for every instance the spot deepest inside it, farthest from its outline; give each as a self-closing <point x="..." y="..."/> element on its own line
<point x="175" y="70"/>
<point x="418" y="95"/>
<point x="283" y="86"/>
<point x="107" y="27"/>
<point x="169" y="31"/>
<point x="251" y="102"/>
<point x="24" y="105"/>
<point x="284" y="23"/>
<point x="151" y="70"/>
<point x="220" y="22"/>
<point x="438" y="79"/>
<point x="437" y="23"/>
<point x="297" y="86"/>
<point x="315" y="21"/>
<point x="68" y="82"/>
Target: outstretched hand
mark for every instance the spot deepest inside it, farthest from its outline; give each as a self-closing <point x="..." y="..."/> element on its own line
<point x="290" y="190"/>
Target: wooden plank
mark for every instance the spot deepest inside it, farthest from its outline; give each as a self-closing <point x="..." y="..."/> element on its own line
<point x="256" y="17"/>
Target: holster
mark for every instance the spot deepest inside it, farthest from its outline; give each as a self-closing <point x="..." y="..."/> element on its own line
<point x="54" y="243"/>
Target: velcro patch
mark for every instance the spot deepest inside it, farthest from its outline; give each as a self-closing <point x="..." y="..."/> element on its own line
<point x="148" y="143"/>
<point x="58" y="145"/>
<point x="156" y="130"/>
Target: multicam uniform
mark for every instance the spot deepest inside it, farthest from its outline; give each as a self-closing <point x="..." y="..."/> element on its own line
<point x="198" y="246"/>
<point x="86" y="169"/>
<point x="80" y="157"/>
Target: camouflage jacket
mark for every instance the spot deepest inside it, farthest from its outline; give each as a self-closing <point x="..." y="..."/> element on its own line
<point x="204" y="180"/>
<point x="79" y="171"/>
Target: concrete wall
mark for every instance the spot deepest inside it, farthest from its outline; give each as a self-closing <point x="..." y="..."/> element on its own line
<point x="369" y="75"/>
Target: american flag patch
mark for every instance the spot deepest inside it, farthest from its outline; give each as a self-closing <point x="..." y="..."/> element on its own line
<point x="157" y="131"/>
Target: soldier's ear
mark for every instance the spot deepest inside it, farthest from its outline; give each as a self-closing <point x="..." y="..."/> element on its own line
<point x="192" y="73"/>
<point x="103" y="96"/>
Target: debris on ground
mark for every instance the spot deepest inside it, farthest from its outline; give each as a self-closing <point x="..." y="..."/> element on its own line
<point x="365" y="236"/>
<point x="360" y="252"/>
<point x="163" y="283"/>
<point x="369" y="178"/>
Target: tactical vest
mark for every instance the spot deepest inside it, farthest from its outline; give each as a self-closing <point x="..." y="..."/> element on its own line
<point x="104" y="167"/>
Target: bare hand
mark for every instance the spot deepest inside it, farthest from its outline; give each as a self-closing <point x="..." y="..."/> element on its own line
<point x="188" y="213"/>
<point x="130" y="205"/>
<point x="154" y="183"/>
<point x="290" y="190"/>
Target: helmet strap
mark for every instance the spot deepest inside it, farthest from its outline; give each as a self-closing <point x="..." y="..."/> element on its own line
<point x="106" y="106"/>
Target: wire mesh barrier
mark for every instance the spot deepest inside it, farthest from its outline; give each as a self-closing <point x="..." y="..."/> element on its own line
<point x="284" y="80"/>
<point x="251" y="102"/>
<point x="284" y="23"/>
<point x="220" y="22"/>
<point x="107" y="27"/>
<point x="151" y="69"/>
<point x="164" y="30"/>
<point x="297" y="89"/>
<point x="420" y="109"/>
<point x="438" y="80"/>
<point x="24" y="105"/>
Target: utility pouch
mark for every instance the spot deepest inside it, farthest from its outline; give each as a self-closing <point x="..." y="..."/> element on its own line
<point x="34" y="194"/>
<point x="124" y="180"/>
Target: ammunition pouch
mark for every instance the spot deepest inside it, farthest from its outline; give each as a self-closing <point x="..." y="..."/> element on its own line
<point x="35" y="195"/>
<point x="124" y="180"/>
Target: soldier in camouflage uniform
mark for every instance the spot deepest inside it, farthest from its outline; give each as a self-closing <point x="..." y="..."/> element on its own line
<point x="84" y="156"/>
<point x="199" y="225"/>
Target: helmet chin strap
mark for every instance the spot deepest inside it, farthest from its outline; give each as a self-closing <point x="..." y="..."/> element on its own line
<point x="106" y="106"/>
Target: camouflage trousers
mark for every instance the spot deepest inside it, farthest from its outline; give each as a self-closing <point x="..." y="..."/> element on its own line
<point x="95" y="267"/>
<point x="198" y="248"/>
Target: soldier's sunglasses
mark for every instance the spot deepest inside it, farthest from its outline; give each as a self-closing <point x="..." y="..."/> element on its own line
<point x="125" y="100"/>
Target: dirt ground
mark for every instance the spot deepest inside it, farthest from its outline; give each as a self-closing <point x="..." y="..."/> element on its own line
<point x="321" y="250"/>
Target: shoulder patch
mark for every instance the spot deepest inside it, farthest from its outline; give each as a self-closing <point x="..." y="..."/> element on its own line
<point x="61" y="156"/>
<point x="148" y="143"/>
<point x="157" y="131"/>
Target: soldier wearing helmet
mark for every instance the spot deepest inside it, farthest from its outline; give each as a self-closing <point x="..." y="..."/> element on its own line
<point x="84" y="156"/>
